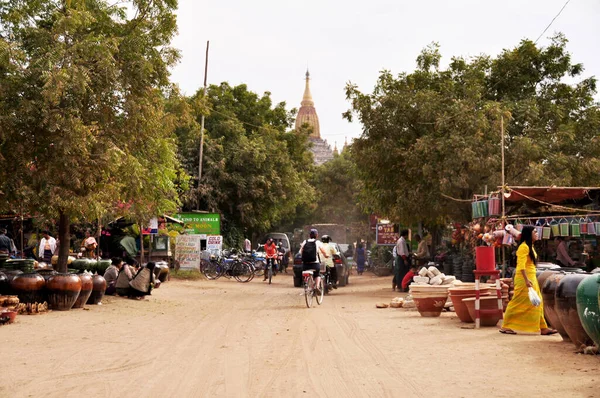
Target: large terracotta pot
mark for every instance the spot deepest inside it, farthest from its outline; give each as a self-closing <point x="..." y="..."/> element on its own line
<point x="457" y="294"/>
<point x="63" y="290"/>
<point x="161" y="272"/>
<point x="429" y="300"/>
<point x="544" y="275"/>
<point x="566" y="308"/>
<point x="489" y="314"/>
<point x="548" y="298"/>
<point x="10" y="274"/>
<point x="588" y="307"/>
<point x="86" y="290"/>
<point x="29" y="288"/>
<point x="46" y="273"/>
<point x="4" y="284"/>
<point x="98" y="290"/>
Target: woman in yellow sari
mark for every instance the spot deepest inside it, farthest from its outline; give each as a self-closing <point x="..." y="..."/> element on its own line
<point x="522" y="316"/>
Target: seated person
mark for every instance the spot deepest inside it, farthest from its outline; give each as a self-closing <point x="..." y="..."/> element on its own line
<point x="408" y="278"/>
<point x="111" y="274"/>
<point x="125" y="276"/>
<point x="142" y="283"/>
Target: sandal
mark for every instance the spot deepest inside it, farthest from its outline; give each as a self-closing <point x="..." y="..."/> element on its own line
<point x="549" y="332"/>
<point x="507" y="331"/>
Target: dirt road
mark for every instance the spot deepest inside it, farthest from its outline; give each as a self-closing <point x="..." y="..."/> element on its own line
<point x="226" y="339"/>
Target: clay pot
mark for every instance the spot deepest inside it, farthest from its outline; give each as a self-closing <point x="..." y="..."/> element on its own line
<point x="29" y="288"/>
<point x="566" y="308"/>
<point x="63" y="290"/>
<point x="10" y="274"/>
<point x="548" y="298"/>
<point x="488" y="312"/>
<point x="544" y="275"/>
<point x="588" y="307"/>
<point x="429" y="300"/>
<point x="457" y="294"/>
<point x="4" y="284"/>
<point x="86" y="290"/>
<point x="46" y="273"/>
<point x="99" y="287"/>
<point x="10" y="314"/>
<point x="161" y="272"/>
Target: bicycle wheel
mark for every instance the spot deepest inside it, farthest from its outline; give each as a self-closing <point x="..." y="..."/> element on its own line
<point x="243" y="272"/>
<point x="308" y="291"/>
<point x="211" y="271"/>
<point x="320" y="291"/>
<point x="270" y="270"/>
<point x="260" y="268"/>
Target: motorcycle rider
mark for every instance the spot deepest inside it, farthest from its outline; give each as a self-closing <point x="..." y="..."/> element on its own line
<point x="330" y="250"/>
<point x="282" y="258"/>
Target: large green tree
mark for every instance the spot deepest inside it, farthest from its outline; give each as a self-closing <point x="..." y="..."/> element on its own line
<point x="82" y="119"/>
<point x="255" y="170"/>
<point x="435" y="133"/>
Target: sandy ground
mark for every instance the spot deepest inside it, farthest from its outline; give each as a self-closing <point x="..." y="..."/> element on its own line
<point x="226" y="339"/>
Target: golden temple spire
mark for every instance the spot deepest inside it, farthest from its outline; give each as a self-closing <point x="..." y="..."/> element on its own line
<point x="307" y="98"/>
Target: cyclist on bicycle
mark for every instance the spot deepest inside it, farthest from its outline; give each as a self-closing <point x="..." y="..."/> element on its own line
<point x="311" y="251"/>
<point x="330" y="250"/>
<point x="271" y="255"/>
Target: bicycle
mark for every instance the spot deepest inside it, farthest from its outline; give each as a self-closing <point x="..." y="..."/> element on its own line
<point x="309" y="288"/>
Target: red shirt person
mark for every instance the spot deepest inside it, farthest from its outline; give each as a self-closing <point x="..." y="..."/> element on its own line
<point x="408" y="278"/>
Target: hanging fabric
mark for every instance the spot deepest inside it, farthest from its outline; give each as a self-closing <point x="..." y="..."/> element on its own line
<point x="546" y="231"/>
<point x="555" y="228"/>
<point x="564" y="227"/>
<point x="583" y="227"/>
<point x="591" y="227"/>
<point x="575" y="231"/>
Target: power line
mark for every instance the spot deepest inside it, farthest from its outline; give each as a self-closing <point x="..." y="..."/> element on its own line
<point x="551" y="22"/>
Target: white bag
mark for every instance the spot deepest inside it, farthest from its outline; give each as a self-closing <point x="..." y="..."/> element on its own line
<point x="534" y="298"/>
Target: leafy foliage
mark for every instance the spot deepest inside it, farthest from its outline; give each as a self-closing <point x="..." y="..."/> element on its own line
<point x="82" y="122"/>
<point x="254" y="172"/>
<point x="436" y="132"/>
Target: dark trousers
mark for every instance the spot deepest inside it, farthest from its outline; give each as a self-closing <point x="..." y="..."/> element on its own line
<point x="400" y="270"/>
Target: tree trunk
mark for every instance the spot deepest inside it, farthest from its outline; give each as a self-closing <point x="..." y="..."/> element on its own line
<point x="64" y="237"/>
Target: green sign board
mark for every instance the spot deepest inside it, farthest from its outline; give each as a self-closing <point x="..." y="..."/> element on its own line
<point x="201" y="223"/>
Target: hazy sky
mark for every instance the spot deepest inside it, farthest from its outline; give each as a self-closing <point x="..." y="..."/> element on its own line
<point x="268" y="44"/>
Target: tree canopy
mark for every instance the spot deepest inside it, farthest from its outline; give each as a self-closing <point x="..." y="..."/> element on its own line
<point x="255" y="171"/>
<point x="82" y="120"/>
<point x="435" y="133"/>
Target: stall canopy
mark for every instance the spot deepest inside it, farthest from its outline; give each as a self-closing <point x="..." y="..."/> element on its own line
<point x="552" y="195"/>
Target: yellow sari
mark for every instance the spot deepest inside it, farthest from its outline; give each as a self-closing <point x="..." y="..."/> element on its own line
<point x="521" y="315"/>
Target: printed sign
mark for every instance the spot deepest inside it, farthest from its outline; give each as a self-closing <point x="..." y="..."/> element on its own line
<point x="187" y="251"/>
<point x="152" y="228"/>
<point x="386" y="235"/>
<point x="201" y="223"/>
<point x="214" y="242"/>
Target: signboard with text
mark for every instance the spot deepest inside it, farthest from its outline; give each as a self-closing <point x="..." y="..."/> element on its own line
<point x="201" y="223"/>
<point x="214" y="242"/>
<point x="187" y="251"/>
<point x="387" y="234"/>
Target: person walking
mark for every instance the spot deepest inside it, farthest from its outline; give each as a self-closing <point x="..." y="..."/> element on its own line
<point x="521" y="315"/>
<point x="402" y="259"/>
<point x="360" y="257"/>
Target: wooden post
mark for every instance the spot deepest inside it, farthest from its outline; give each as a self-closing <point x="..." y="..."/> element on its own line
<point x="141" y="244"/>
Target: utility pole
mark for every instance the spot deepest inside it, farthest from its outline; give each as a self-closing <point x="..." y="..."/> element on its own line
<point x="202" y="124"/>
<point x="502" y="191"/>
